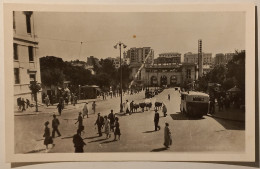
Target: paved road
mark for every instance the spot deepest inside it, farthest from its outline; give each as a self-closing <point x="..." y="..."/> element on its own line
<point x="138" y="135"/>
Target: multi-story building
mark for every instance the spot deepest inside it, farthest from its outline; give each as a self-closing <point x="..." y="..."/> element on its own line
<point x="193" y="58"/>
<point x="138" y="55"/>
<point x="220" y="59"/>
<point x="25" y="55"/>
<point x="228" y="57"/>
<point x="168" y="58"/>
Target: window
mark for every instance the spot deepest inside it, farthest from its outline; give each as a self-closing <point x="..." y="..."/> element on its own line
<point x="28" y="23"/>
<point x="30" y="51"/>
<point x="16" y="76"/>
<point x="15" y="46"/>
<point x="188" y="75"/>
<point x="32" y="77"/>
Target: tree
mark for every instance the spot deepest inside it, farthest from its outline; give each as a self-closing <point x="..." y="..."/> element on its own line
<point x="35" y="88"/>
<point x="51" y="68"/>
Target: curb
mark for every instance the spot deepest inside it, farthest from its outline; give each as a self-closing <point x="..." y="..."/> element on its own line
<point x="214" y="116"/>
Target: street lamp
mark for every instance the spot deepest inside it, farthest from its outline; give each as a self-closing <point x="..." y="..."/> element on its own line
<point x="124" y="46"/>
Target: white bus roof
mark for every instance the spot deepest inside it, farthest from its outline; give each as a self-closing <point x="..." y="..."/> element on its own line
<point x="194" y="93"/>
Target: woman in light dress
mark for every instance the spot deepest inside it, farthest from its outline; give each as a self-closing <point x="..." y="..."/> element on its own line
<point x="107" y="127"/>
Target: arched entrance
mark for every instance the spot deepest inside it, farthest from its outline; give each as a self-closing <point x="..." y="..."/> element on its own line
<point x="173" y="80"/>
<point x="154" y="81"/>
<point x="163" y="80"/>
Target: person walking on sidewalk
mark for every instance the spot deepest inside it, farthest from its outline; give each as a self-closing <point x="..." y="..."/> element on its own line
<point x="117" y="129"/>
<point x="85" y="110"/>
<point x="55" y="125"/>
<point x="107" y="127"/>
<point x="111" y="118"/>
<point x="78" y="142"/>
<point x="47" y="100"/>
<point x="167" y="136"/>
<point x="59" y="106"/>
<point x="80" y="123"/>
<point x="47" y="136"/>
<point x="169" y="97"/>
<point x="94" y="107"/>
<point x="99" y="123"/>
<point x="156" y="120"/>
<point x="164" y="110"/>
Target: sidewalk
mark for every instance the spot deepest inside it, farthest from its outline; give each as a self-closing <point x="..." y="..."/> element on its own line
<point x="42" y="108"/>
<point x="233" y="114"/>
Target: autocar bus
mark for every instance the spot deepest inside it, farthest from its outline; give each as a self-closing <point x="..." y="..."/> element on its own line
<point x="194" y="104"/>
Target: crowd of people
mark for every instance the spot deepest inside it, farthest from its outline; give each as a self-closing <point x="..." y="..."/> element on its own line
<point x="107" y="124"/>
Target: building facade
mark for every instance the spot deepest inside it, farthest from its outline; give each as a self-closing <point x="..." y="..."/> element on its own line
<point x="168" y="58"/>
<point x="193" y="58"/>
<point x="166" y="75"/>
<point x="229" y="56"/>
<point x="25" y="55"/>
<point x="138" y="55"/>
<point x="220" y="59"/>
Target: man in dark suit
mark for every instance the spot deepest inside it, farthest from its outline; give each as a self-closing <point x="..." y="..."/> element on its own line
<point x="99" y="123"/>
<point x="156" y="120"/>
<point x="78" y="142"/>
<point x="55" y="124"/>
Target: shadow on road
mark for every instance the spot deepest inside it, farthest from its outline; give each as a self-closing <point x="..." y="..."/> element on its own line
<point x="110" y="141"/>
<point x="67" y="137"/>
<point x="35" y="151"/>
<point x="97" y="140"/>
<point x="181" y="116"/>
<point x="159" y="149"/>
<point x="91" y="137"/>
<point x="26" y="114"/>
<point x="231" y="125"/>
<point x="149" y="131"/>
<point x="40" y="139"/>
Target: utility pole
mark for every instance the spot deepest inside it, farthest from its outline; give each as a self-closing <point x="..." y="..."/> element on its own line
<point x="121" y="74"/>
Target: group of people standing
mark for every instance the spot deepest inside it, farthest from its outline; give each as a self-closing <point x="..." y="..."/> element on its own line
<point x="23" y="104"/>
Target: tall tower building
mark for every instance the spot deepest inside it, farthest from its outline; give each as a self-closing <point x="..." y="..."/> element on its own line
<point x="200" y="61"/>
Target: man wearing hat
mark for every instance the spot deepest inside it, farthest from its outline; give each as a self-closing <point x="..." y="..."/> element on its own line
<point x="80" y="121"/>
<point x="99" y="123"/>
<point x="78" y="142"/>
<point x="55" y="124"/>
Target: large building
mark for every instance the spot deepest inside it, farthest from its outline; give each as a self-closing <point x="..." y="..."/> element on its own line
<point x="138" y="55"/>
<point x="166" y="75"/>
<point x="168" y="58"/>
<point x="229" y="56"/>
<point x="193" y="58"/>
<point x="220" y="59"/>
<point x="25" y="55"/>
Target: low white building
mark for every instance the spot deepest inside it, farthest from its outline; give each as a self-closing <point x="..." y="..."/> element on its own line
<point x="26" y="61"/>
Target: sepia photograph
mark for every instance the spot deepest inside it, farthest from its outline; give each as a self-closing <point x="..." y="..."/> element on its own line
<point x="130" y="82"/>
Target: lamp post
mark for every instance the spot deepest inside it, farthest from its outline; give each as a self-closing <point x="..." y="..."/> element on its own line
<point x="121" y="84"/>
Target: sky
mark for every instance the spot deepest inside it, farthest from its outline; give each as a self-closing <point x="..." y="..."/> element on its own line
<point x="60" y="33"/>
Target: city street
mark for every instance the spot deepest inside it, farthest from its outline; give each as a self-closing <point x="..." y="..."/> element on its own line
<point x="138" y="135"/>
